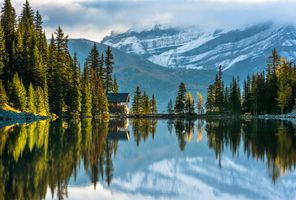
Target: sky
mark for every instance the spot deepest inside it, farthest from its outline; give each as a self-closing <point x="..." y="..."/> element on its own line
<point x="94" y="19"/>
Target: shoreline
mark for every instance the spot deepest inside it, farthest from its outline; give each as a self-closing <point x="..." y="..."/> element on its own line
<point x="207" y="116"/>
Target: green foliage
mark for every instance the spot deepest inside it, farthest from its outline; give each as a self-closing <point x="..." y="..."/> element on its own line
<point x="8" y="23"/>
<point x="170" y="107"/>
<point x="98" y="93"/>
<point x="142" y="105"/>
<point x="189" y="104"/>
<point x="75" y="105"/>
<point x="39" y="101"/>
<point x="17" y="93"/>
<point x="146" y="106"/>
<point x="3" y="96"/>
<point x="272" y="93"/>
<point x="86" y="100"/>
<point x="199" y="103"/>
<point x="31" y="99"/>
<point x="3" y="55"/>
<point x="181" y="98"/>
<point x="109" y="70"/>
<point x="153" y="105"/>
<point x="136" y="105"/>
<point x="115" y="85"/>
<point x="103" y="111"/>
<point x="234" y="100"/>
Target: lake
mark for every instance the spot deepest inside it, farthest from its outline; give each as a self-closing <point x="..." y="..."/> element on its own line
<point x="148" y="159"/>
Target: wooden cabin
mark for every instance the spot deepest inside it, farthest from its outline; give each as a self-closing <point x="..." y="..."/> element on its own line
<point x="118" y="103"/>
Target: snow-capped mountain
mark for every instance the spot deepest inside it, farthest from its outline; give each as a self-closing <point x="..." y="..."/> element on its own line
<point x="238" y="51"/>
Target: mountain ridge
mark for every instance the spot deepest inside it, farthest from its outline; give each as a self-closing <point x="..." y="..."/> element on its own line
<point x="239" y="51"/>
<point x="132" y="70"/>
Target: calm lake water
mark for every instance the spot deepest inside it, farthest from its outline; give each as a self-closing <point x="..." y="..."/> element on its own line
<point x="148" y="159"/>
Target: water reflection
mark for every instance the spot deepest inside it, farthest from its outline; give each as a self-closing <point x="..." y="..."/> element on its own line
<point x="44" y="154"/>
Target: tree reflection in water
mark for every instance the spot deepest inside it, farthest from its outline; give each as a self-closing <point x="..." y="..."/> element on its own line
<point x="42" y="155"/>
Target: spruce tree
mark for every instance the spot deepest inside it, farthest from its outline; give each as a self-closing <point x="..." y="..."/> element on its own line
<point x="235" y="97"/>
<point x="181" y="98"/>
<point x="8" y="23"/>
<point x="39" y="102"/>
<point x="86" y="104"/>
<point x="46" y="98"/>
<point x="145" y="104"/>
<point x="218" y="91"/>
<point x="3" y="55"/>
<point x="31" y="99"/>
<point x="102" y="101"/>
<point x="75" y="107"/>
<point x="136" y="105"/>
<point x="115" y="85"/>
<point x="271" y="80"/>
<point x="246" y="105"/>
<point x="109" y="70"/>
<point x="153" y="105"/>
<point x="170" y="107"/>
<point x="284" y="95"/>
<point x="94" y="66"/>
<point x="17" y="93"/>
<point x="102" y="69"/>
<point x="210" y="99"/>
<point x="3" y="95"/>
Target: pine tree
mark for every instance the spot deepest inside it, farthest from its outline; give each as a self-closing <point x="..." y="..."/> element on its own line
<point x="63" y="73"/>
<point x="46" y="98"/>
<point x="28" y="60"/>
<point x="102" y="69"/>
<point x="86" y="104"/>
<point x="210" y="99"/>
<point x="199" y="102"/>
<point x="181" y="98"/>
<point x="3" y="96"/>
<point x="235" y="97"/>
<point x="75" y="107"/>
<point x="38" y="25"/>
<point x="94" y="65"/>
<point x="115" y="85"/>
<point x="136" y="105"/>
<point x="189" y="103"/>
<point x="153" y="105"/>
<point x="102" y="101"/>
<point x="284" y="95"/>
<point x="271" y="80"/>
<point x="145" y="104"/>
<point x="8" y="23"/>
<point x="52" y="76"/>
<point x="170" y="108"/>
<point x="39" y="101"/>
<point x="3" y="55"/>
<point x="246" y="105"/>
<point x="17" y="93"/>
<point x="31" y="99"/>
<point x="218" y="91"/>
<point x="109" y="70"/>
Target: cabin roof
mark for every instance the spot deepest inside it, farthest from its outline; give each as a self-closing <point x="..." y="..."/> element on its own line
<point x="118" y="97"/>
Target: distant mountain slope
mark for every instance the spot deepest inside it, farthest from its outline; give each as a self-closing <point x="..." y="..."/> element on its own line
<point x="238" y="51"/>
<point x="132" y="70"/>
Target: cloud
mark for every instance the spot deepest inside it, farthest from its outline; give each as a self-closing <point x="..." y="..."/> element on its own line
<point x="93" y="19"/>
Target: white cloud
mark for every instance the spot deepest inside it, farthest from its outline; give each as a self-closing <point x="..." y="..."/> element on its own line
<point x="94" y="19"/>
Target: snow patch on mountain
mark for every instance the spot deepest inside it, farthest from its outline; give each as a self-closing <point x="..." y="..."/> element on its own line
<point x="192" y="48"/>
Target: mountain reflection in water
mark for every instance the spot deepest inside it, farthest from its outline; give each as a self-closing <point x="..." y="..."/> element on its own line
<point x="148" y="158"/>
